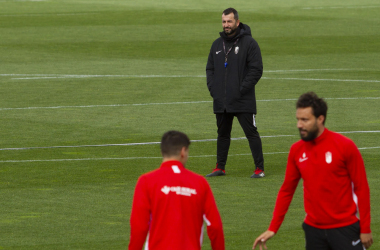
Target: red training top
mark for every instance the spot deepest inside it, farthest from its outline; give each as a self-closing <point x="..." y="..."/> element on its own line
<point x="334" y="183"/>
<point x="171" y="204"/>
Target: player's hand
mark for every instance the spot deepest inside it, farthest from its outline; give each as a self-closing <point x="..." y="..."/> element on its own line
<point x="366" y="240"/>
<point x="262" y="239"/>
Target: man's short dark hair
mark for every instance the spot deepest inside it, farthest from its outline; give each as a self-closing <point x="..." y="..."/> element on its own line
<point x="231" y="10"/>
<point x="318" y="105"/>
<point x="172" y="143"/>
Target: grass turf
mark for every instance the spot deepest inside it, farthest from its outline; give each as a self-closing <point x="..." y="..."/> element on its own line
<point x="76" y="73"/>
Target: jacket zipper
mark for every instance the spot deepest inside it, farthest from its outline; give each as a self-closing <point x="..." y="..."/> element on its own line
<point x="225" y="86"/>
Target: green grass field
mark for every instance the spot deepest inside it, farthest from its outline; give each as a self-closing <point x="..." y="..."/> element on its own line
<point x="88" y="87"/>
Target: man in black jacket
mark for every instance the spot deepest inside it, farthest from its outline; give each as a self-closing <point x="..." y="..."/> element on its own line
<point x="233" y="69"/>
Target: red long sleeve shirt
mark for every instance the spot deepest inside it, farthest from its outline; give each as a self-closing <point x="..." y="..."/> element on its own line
<point x="170" y="206"/>
<point x="334" y="183"/>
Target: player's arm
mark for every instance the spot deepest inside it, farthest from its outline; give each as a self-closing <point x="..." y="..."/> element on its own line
<point x="213" y="220"/>
<point x="286" y="192"/>
<point x="366" y="240"/>
<point x="284" y="197"/>
<point x="210" y="70"/>
<point x="355" y="166"/>
<point x="262" y="239"/>
<point x="140" y="216"/>
<point x="255" y="67"/>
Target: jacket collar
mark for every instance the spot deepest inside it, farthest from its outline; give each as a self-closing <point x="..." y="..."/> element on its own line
<point x="242" y="30"/>
<point x="169" y="164"/>
<point x="321" y="137"/>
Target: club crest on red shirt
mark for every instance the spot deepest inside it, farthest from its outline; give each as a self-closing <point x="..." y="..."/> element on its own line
<point x="328" y="157"/>
<point x="236" y="50"/>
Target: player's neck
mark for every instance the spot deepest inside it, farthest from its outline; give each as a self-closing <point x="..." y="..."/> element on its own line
<point x="166" y="159"/>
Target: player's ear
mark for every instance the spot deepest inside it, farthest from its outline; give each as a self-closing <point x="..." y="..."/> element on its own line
<point x="184" y="151"/>
<point x="321" y="119"/>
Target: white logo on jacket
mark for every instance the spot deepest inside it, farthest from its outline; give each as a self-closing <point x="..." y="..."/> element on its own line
<point x="304" y="158"/>
<point x="354" y="243"/>
<point x="236" y="50"/>
<point x="328" y="157"/>
<point x="179" y="190"/>
<point x="176" y="169"/>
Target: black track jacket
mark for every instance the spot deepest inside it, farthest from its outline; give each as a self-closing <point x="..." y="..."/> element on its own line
<point x="233" y="87"/>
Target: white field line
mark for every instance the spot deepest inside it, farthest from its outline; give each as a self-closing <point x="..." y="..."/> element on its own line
<point x="36" y="77"/>
<point x="47" y="14"/>
<point x="139" y="158"/>
<point x="110" y="105"/>
<point x="29" y="0"/>
<point x="307" y="70"/>
<point x="56" y="76"/>
<point x="143" y="76"/>
<point x="128" y="144"/>
<point x="98" y="76"/>
<point x="152" y="143"/>
<point x="318" y="79"/>
<point x="342" y="7"/>
<point x="176" y="103"/>
<point x="119" y="158"/>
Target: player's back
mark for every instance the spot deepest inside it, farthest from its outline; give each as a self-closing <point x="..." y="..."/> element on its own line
<point x="177" y="198"/>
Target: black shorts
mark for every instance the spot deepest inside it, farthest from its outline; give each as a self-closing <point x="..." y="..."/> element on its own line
<point x="342" y="238"/>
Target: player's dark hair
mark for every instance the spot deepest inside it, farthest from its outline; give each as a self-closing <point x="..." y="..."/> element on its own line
<point x="172" y="143"/>
<point x="231" y="10"/>
<point x="318" y="105"/>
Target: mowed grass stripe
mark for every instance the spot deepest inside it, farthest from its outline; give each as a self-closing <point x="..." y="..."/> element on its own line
<point x="152" y="143"/>
<point x="176" y="103"/>
<point x="77" y="54"/>
<point x="342" y="7"/>
<point x="144" y="157"/>
<point x="186" y="76"/>
<point x="265" y="71"/>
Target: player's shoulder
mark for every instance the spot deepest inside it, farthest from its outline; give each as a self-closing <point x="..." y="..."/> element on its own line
<point x="339" y="136"/>
<point x="297" y="145"/>
<point x="217" y="41"/>
<point x="342" y="141"/>
<point x="297" y="148"/>
<point x="196" y="178"/>
<point x="195" y="175"/>
<point x="151" y="174"/>
<point x="249" y="41"/>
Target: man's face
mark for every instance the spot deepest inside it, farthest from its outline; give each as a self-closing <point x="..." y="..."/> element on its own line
<point x="310" y="127"/>
<point x="229" y="24"/>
